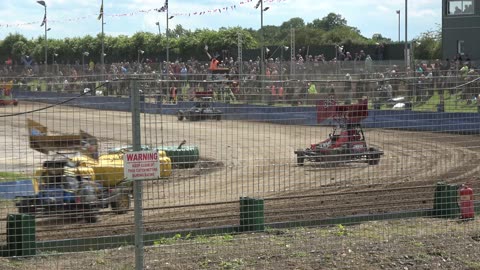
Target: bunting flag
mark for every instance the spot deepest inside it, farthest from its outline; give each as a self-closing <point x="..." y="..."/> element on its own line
<point x="164" y="8"/>
<point x="142" y="11"/>
<point x="101" y="12"/>
<point x="44" y="20"/>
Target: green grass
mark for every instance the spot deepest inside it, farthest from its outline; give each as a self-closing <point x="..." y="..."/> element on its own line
<point x="453" y="103"/>
<point x="10" y="176"/>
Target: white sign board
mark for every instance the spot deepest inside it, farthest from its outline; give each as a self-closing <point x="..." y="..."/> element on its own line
<point x="141" y="165"/>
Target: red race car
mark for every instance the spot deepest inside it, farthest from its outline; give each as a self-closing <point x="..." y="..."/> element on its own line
<point x="347" y="142"/>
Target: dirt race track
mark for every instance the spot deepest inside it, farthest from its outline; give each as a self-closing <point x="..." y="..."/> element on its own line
<point x="241" y="158"/>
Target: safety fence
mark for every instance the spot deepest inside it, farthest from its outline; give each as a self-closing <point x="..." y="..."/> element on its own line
<point x="200" y="68"/>
<point x="340" y="179"/>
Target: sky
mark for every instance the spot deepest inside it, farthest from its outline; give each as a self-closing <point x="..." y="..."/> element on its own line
<point x="74" y="18"/>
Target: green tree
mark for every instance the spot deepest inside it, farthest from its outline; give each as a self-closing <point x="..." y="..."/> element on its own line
<point x="7" y="44"/>
<point x="179" y="31"/>
<point x="309" y="36"/>
<point x="331" y="29"/>
<point x="379" y="38"/>
<point x="428" y="45"/>
<point x="329" y="22"/>
<point x="19" y="49"/>
<point x="344" y="35"/>
<point x="296" y="23"/>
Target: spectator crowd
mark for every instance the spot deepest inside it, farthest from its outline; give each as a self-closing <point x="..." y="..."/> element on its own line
<point x="349" y="75"/>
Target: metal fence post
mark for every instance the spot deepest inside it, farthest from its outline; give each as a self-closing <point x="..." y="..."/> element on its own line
<point x="138" y="215"/>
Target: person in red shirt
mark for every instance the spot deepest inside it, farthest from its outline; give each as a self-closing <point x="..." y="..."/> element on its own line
<point x="213" y="62"/>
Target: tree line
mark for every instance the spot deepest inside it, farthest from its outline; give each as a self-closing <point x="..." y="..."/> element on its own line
<point x="183" y="43"/>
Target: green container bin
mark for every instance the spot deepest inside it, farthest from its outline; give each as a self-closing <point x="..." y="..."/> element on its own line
<point x="21" y="235"/>
<point x="446" y="201"/>
<point x="252" y="217"/>
<point x="185" y="157"/>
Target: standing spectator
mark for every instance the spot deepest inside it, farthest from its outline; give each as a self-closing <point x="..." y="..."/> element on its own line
<point x="213" y="61"/>
<point x="368" y="64"/>
<point x="312" y="93"/>
<point x="348" y="57"/>
<point x="362" y="56"/>
<point x="173" y="94"/>
<point x="379" y="50"/>
<point x="183" y="74"/>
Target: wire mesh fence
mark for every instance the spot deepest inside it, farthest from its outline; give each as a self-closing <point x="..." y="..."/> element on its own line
<point x="327" y="172"/>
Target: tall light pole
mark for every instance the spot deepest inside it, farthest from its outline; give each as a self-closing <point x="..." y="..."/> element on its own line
<point x="159" y="36"/>
<point x="398" y="12"/>
<point x="138" y="56"/>
<point x="44" y="23"/>
<point x="159" y="32"/>
<point x="54" y="66"/>
<point x="102" y="56"/>
<point x="167" y="33"/>
<point x="282" y="48"/>
<point x="407" y="64"/>
<point x="168" y="53"/>
<point x="262" y="41"/>
<point x="83" y="60"/>
<point x="262" y="51"/>
<point x="53" y="57"/>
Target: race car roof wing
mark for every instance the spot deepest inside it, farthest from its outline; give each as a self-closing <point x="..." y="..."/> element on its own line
<point x="350" y="113"/>
<point x="44" y="143"/>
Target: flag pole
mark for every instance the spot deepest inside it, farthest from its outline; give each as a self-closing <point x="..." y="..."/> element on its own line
<point x="102" y="56"/>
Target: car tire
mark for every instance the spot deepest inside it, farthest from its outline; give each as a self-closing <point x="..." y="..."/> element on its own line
<point x="373" y="158"/>
<point x="300" y="160"/>
<point x="122" y="205"/>
<point x="91" y="218"/>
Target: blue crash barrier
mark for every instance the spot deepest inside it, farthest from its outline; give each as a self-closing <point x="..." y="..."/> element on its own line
<point x="463" y="123"/>
<point x="10" y="190"/>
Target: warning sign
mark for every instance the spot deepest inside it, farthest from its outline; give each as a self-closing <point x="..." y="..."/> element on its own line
<point x="141" y="165"/>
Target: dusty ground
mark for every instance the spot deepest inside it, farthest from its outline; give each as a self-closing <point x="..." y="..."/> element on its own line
<point x="241" y="158"/>
<point x="403" y="244"/>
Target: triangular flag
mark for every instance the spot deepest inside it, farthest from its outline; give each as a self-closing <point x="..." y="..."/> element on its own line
<point x="101" y="12"/>
<point x="44" y="20"/>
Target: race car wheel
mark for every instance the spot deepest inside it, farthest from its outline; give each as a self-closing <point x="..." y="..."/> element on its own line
<point x="218" y="117"/>
<point x="25" y="209"/>
<point x="122" y="205"/>
<point x="91" y="218"/>
<point x="91" y="214"/>
<point x="180" y="116"/>
<point x="300" y="160"/>
<point x="373" y="158"/>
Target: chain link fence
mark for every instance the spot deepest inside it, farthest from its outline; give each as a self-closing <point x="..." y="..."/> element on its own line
<point x="316" y="172"/>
